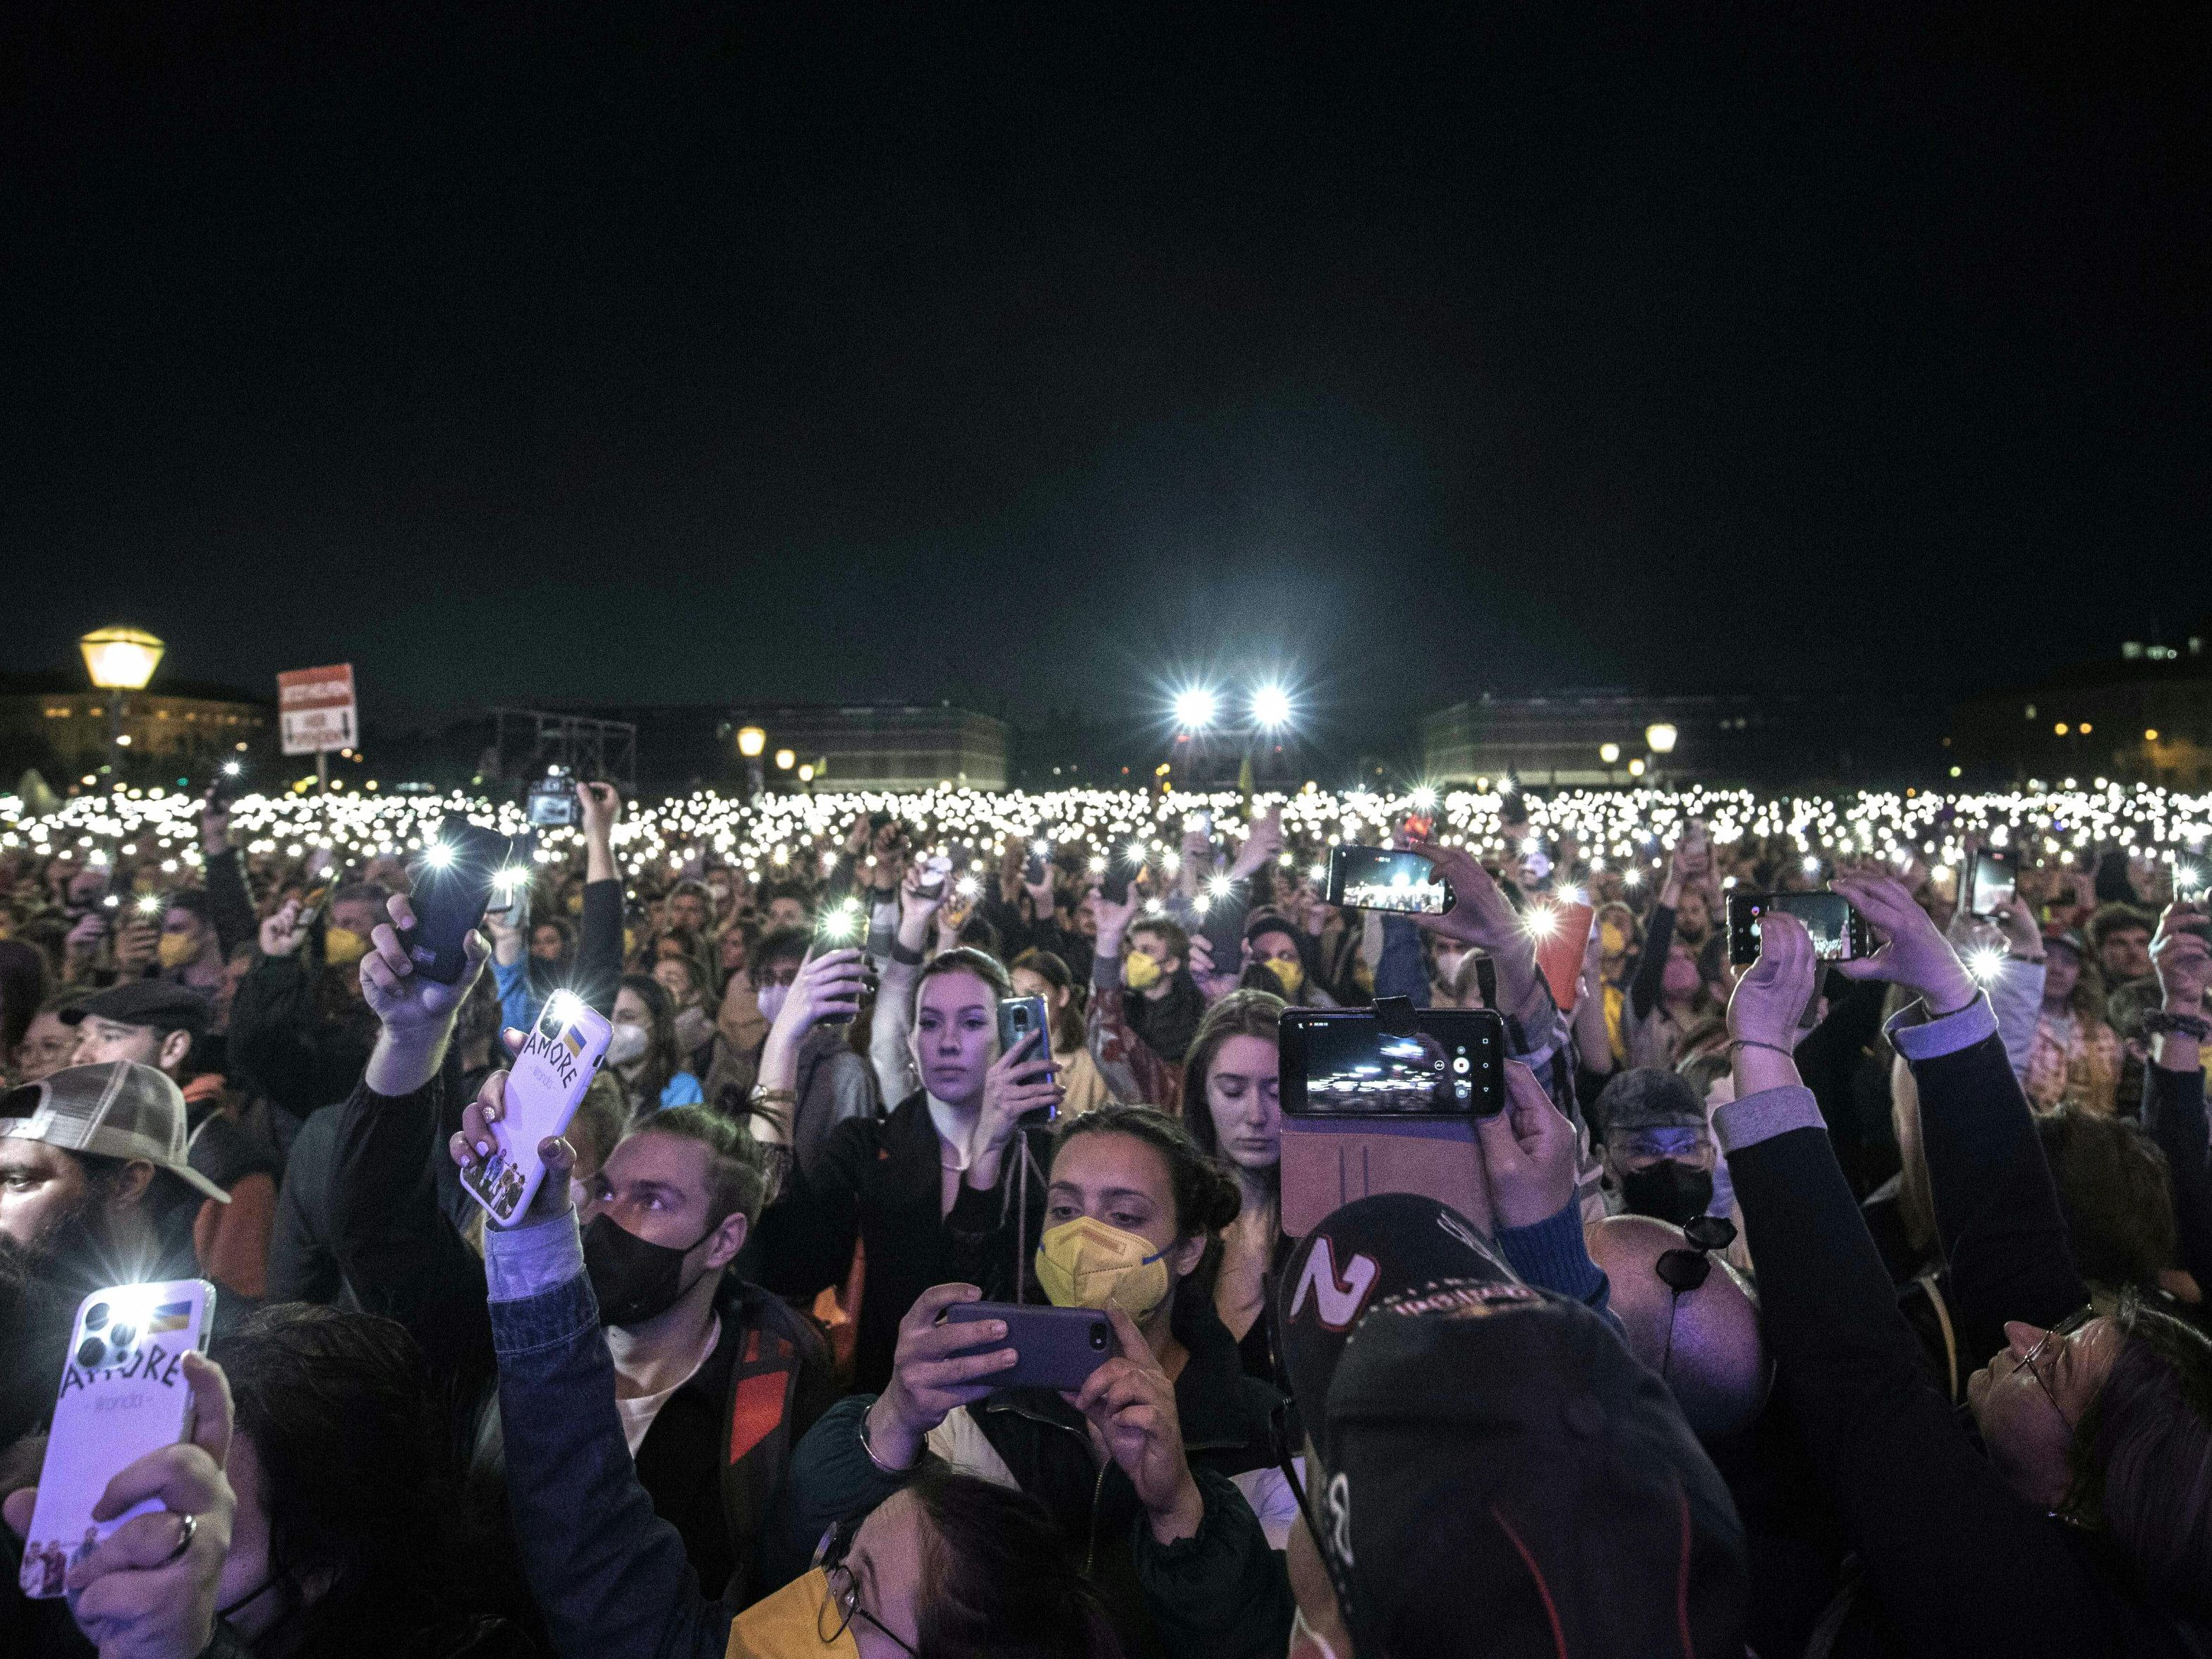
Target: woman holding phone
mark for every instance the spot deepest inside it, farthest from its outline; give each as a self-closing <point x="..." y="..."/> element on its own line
<point x="948" y="1185"/>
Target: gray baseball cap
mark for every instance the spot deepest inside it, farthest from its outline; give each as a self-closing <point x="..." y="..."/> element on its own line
<point x="118" y="1109"/>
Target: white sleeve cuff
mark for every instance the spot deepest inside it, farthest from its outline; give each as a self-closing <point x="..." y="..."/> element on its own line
<point x="1917" y="1038"/>
<point x="521" y="1262"/>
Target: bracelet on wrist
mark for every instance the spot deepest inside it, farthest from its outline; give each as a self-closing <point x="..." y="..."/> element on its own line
<point x="884" y="1468"/>
<point x="1790" y="1055"/>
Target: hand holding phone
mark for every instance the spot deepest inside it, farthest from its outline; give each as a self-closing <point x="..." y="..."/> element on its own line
<point x="1054" y="1347"/>
<point x="452" y="887"/>
<point x="126" y="1395"/>
<point x="541" y="1092"/>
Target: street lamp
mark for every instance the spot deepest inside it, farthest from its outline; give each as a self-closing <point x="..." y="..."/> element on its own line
<point x="1661" y="737"/>
<point x="785" y="760"/>
<point x="119" y="659"/>
<point x="750" y="741"/>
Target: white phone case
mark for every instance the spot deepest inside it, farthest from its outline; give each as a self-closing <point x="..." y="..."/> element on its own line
<point x="545" y="1086"/>
<point x="123" y="1395"/>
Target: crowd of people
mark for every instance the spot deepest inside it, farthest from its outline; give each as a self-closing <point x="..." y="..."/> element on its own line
<point x="1800" y="1307"/>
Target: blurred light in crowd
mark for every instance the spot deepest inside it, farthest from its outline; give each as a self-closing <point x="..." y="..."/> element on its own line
<point x="1983" y="964"/>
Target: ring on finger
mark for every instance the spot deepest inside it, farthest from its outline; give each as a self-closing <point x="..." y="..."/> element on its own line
<point x="191" y="1524"/>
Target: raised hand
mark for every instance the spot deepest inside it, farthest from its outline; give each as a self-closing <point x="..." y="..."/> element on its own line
<point x="1529" y="1151"/>
<point x="1482" y="915"/>
<point x="137" y="1595"/>
<point x="1132" y="1406"/>
<point x="1020" y="1081"/>
<point x="931" y="1372"/>
<point x="1916" y="955"/>
<point x="1264" y="842"/>
<point x="827" y="986"/>
<point x="474" y="1140"/>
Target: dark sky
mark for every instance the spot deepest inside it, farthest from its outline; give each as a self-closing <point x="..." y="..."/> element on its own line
<point x="666" y="355"/>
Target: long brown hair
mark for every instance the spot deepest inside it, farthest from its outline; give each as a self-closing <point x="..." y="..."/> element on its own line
<point x="1067" y="1019"/>
<point x="1241" y="1013"/>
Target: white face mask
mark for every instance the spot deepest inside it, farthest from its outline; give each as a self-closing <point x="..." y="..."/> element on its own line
<point x="771" y="999"/>
<point x="628" y="1044"/>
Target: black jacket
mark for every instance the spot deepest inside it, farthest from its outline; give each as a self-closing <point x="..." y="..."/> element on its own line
<point x="878" y="1182"/>
<point x="405" y="1259"/>
<point x="1227" y="1430"/>
<point x="1952" y="1560"/>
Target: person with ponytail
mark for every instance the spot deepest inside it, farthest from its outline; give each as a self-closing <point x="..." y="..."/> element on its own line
<point x="1160" y="1471"/>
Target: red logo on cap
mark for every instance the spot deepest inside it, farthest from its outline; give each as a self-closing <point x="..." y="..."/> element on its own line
<point x="1337" y="1301"/>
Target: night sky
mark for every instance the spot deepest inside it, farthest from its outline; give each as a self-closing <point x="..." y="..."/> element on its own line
<point x="1049" y="355"/>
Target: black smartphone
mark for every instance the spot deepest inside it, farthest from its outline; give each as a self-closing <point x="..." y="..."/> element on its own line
<point x="1054" y="1347"/>
<point x="1380" y="878"/>
<point x="1114" y="883"/>
<point x="553" y="799"/>
<point x="1017" y="1018"/>
<point x="1990" y="883"/>
<point x="1350" y="1062"/>
<point x="844" y="926"/>
<point x="454" y="882"/>
<point x="2192" y="880"/>
<point x="1034" y="866"/>
<point x="1839" y="932"/>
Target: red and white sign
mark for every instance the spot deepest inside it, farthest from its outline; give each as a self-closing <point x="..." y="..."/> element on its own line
<point x="317" y="709"/>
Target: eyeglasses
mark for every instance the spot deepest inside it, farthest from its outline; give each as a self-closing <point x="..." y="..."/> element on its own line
<point x="841" y="1606"/>
<point x="1682" y="1270"/>
<point x="2028" y="1363"/>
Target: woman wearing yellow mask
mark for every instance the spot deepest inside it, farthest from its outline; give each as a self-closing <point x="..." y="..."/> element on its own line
<point x="1168" y="1446"/>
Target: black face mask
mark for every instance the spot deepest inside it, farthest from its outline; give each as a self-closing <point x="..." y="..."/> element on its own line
<point x="1669" y="1191"/>
<point x="634" y="1279"/>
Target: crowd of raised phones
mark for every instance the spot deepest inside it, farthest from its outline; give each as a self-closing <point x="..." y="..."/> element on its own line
<point x="1799" y="1306"/>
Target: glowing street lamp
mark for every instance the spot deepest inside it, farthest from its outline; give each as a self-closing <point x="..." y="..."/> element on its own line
<point x="119" y="659"/>
<point x="785" y="760"/>
<point x="1609" y="753"/>
<point x="750" y="741"/>
<point x="1659" y="738"/>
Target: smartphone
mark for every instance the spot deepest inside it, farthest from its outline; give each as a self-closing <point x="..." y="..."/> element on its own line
<point x="1990" y="886"/>
<point x="1370" y="1106"/>
<point x="553" y="799"/>
<point x="1017" y="1018"/>
<point x="1114" y="885"/>
<point x="544" y="1085"/>
<point x="453" y="884"/>
<point x="844" y="926"/>
<point x="2192" y="881"/>
<point x="1839" y="932"/>
<point x="1348" y="1063"/>
<point x="1380" y="878"/>
<point x="1054" y="1347"/>
<point x="934" y="870"/>
<point x="123" y="1395"/>
<point x="1034" y="866"/>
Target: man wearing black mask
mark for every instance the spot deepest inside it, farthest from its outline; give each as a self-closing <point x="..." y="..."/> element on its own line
<point x="1659" y="1149"/>
<point x="665" y="1214"/>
